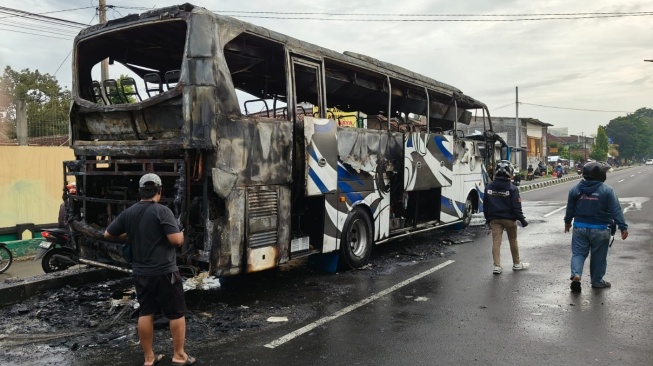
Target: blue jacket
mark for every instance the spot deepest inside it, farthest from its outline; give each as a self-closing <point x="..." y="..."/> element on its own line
<point x="502" y="201"/>
<point x="591" y="202"/>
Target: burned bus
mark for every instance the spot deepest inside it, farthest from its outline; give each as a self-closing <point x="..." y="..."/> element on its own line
<point x="239" y="123"/>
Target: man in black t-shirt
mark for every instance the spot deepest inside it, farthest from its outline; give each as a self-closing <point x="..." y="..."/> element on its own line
<point x="154" y="233"/>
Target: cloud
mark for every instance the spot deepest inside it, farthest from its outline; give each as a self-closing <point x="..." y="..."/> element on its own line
<point x="576" y="63"/>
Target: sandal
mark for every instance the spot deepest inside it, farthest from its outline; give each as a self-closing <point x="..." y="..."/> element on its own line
<point x="190" y="360"/>
<point x="157" y="359"/>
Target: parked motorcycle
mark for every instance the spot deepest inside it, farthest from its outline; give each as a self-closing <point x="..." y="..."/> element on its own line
<point x="55" y="252"/>
<point x="6" y="258"/>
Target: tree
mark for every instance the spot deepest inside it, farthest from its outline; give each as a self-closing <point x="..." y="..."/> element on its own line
<point x="600" y="147"/>
<point x="47" y="102"/>
<point x="633" y="133"/>
<point x="114" y="99"/>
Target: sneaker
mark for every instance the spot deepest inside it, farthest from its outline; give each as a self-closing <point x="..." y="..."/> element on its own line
<point x="497" y="270"/>
<point x="575" y="284"/>
<point x="605" y="284"/>
<point x="520" y="266"/>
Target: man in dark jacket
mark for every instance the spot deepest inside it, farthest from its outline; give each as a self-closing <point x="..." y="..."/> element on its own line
<point x="502" y="208"/>
<point x="592" y="205"/>
<point x="154" y="234"/>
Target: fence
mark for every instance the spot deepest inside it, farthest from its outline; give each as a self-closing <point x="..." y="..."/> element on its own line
<point x="35" y="125"/>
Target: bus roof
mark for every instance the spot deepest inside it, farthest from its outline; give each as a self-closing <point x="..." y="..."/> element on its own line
<point x="294" y="45"/>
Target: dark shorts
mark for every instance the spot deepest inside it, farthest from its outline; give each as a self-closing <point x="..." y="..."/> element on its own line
<point x="163" y="292"/>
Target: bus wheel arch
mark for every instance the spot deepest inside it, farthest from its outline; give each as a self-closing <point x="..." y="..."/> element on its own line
<point x="357" y="238"/>
<point x="471" y="206"/>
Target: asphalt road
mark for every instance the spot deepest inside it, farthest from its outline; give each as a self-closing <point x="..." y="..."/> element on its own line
<point x="471" y="317"/>
<point x="440" y="309"/>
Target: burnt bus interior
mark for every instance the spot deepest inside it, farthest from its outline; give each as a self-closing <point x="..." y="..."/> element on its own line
<point x="142" y="105"/>
<point x="145" y="108"/>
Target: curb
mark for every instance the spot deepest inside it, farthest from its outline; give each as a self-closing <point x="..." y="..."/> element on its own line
<point x="548" y="182"/>
<point x="13" y="291"/>
<point x="23" y="248"/>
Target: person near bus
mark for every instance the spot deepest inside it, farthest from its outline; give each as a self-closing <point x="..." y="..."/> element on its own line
<point x="154" y="268"/>
<point x="592" y="206"/>
<point x="502" y="210"/>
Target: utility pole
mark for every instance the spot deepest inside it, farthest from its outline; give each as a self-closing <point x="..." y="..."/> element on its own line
<point x="104" y="67"/>
<point x="517" y="146"/>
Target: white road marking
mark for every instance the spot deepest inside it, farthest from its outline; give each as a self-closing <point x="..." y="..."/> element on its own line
<point x="307" y="328"/>
<point x="633" y="204"/>
<point x="632" y="175"/>
<point x="621" y="181"/>
<point x="554" y="211"/>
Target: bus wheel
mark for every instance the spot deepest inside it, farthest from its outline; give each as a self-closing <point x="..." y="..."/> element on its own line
<point x="467" y="214"/>
<point x="357" y="239"/>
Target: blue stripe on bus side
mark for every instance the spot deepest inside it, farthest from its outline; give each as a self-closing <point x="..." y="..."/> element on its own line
<point x="344" y="174"/>
<point x="318" y="182"/>
<point x="446" y="153"/>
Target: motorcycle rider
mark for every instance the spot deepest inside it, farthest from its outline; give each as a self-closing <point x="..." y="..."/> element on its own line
<point x="502" y="208"/>
<point x="592" y="205"/>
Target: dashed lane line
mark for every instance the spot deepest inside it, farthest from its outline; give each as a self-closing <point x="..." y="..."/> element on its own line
<point x="307" y="328"/>
<point x="621" y="181"/>
<point x="556" y="210"/>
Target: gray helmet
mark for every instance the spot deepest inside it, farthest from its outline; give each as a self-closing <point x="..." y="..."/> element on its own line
<point x="504" y="169"/>
<point x="595" y="170"/>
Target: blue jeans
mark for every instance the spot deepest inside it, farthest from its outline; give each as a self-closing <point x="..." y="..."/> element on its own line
<point x="582" y="241"/>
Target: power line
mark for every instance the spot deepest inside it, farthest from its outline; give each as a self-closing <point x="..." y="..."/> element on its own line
<point x="52" y="12"/>
<point x="42" y="18"/>
<point x="50" y="30"/>
<point x="71" y="51"/>
<point x="496" y="109"/>
<point x="35" y="34"/>
<point x="575" y="109"/>
<point x="441" y="20"/>
<point x="421" y="15"/>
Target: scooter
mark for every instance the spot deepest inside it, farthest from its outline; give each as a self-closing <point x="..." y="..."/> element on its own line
<point x="530" y="176"/>
<point x="55" y="251"/>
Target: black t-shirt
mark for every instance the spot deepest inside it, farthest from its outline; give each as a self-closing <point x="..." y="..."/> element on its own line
<point x="152" y="253"/>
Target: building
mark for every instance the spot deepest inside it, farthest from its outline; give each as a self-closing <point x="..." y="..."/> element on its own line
<point x="579" y="146"/>
<point x="532" y="142"/>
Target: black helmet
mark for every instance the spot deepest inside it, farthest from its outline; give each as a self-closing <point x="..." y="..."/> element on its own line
<point x="595" y="170"/>
<point x="504" y="169"/>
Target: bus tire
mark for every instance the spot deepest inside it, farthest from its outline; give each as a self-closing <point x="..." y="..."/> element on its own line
<point x="468" y="210"/>
<point x="357" y="239"/>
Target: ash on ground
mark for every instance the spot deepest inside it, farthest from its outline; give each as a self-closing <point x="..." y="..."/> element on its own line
<point x="87" y="319"/>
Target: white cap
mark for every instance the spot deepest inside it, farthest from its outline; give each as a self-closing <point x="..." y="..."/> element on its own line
<point x="150" y="178"/>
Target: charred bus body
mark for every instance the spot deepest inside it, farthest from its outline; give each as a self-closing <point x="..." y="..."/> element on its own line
<point x="253" y="190"/>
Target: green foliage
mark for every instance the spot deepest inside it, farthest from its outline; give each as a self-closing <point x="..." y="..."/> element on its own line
<point x="46" y="102"/>
<point x="600" y="147"/>
<point x="563" y="152"/>
<point x="129" y="98"/>
<point x="633" y="133"/>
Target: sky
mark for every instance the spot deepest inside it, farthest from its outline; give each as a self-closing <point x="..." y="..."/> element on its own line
<point x="574" y="73"/>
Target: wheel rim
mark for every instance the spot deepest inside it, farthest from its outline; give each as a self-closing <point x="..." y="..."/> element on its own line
<point x="56" y="265"/>
<point x="5" y="259"/>
<point x="467" y="216"/>
<point x="358" y="239"/>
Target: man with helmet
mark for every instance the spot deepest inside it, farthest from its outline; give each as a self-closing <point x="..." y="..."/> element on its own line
<point x="593" y="206"/>
<point x="502" y="208"/>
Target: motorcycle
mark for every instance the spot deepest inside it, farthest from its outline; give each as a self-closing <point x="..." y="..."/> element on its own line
<point x="55" y="252"/>
<point x="530" y="176"/>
